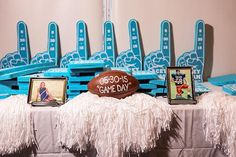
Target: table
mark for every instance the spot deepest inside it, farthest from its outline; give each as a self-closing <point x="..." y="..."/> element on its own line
<point x="185" y="139"/>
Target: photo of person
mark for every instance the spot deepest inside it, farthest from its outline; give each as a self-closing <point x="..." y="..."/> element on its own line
<point x="47" y="90"/>
<point x="43" y="93"/>
<point x="181" y="85"/>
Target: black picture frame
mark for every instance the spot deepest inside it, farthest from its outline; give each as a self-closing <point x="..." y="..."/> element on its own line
<point x="55" y="88"/>
<point x="180" y="85"/>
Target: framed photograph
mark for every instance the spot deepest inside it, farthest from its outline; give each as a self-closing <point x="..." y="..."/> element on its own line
<point x="180" y="85"/>
<point x="43" y="91"/>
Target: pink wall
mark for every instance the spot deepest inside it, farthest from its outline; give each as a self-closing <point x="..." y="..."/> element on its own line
<point x="220" y="15"/>
<point x="38" y="13"/>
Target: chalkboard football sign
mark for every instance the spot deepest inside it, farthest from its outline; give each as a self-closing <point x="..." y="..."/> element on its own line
<point x="113" y="83"/>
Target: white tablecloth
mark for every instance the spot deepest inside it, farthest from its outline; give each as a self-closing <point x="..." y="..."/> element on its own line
<point x="186" y="138"/>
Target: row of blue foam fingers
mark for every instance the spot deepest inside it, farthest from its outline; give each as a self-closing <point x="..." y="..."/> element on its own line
<point x="108" y="54"/>
<point x="81" y="52"/>
<point x="51" y="55"/>
<point x="195" y="58"/>
<point x="131" y="58"/>
<point x="159" y="60"/>
<point x="230" y="89"/>
<point x="21" y="56"/>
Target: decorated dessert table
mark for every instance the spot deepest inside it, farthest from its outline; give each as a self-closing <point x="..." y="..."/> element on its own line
<point x="185" y="137"/>
<point x="114" y="105"/>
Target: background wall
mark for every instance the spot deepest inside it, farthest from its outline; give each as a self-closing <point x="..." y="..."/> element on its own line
<point x="38" y="13"/>
<point x="219" y="16"/>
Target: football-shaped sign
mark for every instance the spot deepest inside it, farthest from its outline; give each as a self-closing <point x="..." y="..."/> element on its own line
<point x="113" y="83"/>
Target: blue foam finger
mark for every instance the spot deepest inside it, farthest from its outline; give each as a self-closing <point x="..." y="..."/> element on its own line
<point x="21" y="56"/>
<point x="223" y="80"/>
<point x="159" y="60"/>
<point x="51" y="55"/>
<point x="132" y="58"/>
<point x="81" y="52"/>
<point x="108" y="54"/>
<point x="230" y="89"/>
<point x="196" y="57"/>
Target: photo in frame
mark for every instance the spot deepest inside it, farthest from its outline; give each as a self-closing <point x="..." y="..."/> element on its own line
<point x="47" y="91"/>
<point x="180" y="85"/>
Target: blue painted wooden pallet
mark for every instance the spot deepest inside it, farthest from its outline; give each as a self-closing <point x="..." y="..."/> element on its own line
<point x="81" y="72"/>
<point x="23" y="86"/>
<point x="4" y="95"/>
<point x="72" y="96"/>
<point x="26" y="78"/>
<point x="196" y="57"/>
<point x="159" y="60"/>
<point x="11" y="73"/>
<point x="77" y="87"/>
<point x="8" y="87"/>
<point x="158" y="91"/>
<point x="108" y="54"/>
<point x="147" y="86"/>
<point x="14" y="92"/>
<point x="144" y="75"/>
<point x="124" y="69"/>
<point x="223" y="80"/>
<point x="158" y="82"/>
<point x="72" y="92"/>
<point x="132" y="58"/>
<point x="74" y="79"/>
<point x="86" y="64"/>
<point x="201" y="88"/>
<point x="76" y="68"/>
<point x="57" y="72"/>
<point x="8" y="84"/>
<point x="21" y="56"/>
<point x="81" y="52"/>
<point x="230" y="89"/>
